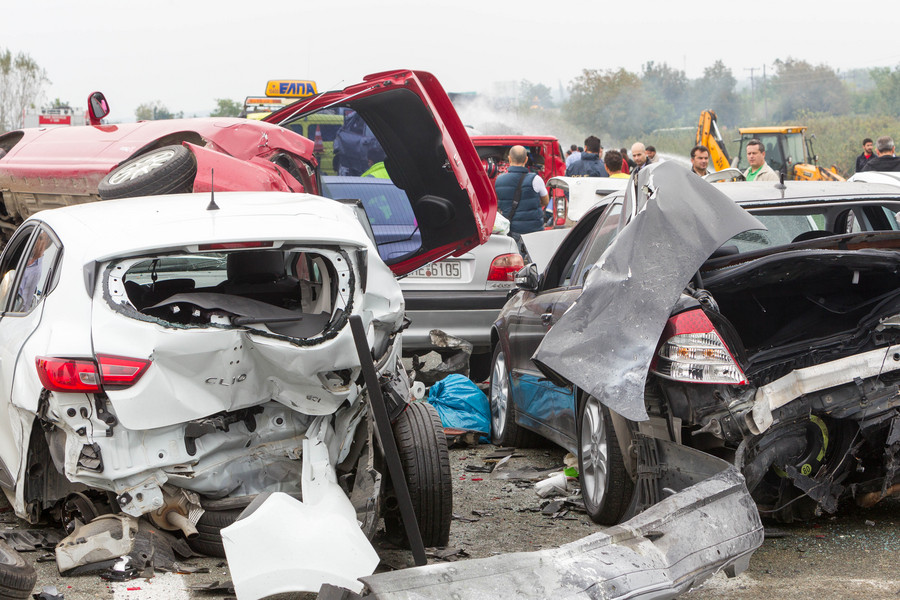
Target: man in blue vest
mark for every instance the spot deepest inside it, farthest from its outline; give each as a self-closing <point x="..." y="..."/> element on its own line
<point x="521" y="196"/>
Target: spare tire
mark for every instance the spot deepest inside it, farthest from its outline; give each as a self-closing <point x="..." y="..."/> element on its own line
<point x="17" y="577"/>
<point x="167" y="170"/>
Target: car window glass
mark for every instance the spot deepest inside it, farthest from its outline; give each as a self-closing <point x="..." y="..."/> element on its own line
<point x="389" y="212"/>
<point x="342" y="141"/>
<point x="602" y="236"/>
<point x="891" y="217"/>
<point x="781" y="229"/>
<point x="33" y="281"/>
<point x="9" y="263"/>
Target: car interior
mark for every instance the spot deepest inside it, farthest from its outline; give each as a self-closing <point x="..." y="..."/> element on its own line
<point x="292" y="292"/>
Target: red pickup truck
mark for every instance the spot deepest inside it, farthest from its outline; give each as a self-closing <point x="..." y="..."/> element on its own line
<point x="546" y="158"/>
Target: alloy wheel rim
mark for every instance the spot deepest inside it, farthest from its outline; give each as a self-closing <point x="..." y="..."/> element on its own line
<point x="499" y="394"/>
<point x="142" y="166"/>
<point x="594" y="452"/>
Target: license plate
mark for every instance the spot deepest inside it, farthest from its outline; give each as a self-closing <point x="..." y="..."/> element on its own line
<point x="446" y="269"/>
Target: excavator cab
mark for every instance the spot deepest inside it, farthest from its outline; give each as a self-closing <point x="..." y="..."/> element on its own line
<point x="788" y="150"/>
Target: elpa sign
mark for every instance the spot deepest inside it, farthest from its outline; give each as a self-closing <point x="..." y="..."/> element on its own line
<point x="290" y="88"/>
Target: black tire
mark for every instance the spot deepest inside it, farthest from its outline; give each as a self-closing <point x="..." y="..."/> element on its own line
<point x="426" y="463"/>
<point x="504" y="429"/>
<point x="606" y="487"/>
<point x="167" y="170"/>
<point x="209" y="527"/>
<point x="17" y="577"/>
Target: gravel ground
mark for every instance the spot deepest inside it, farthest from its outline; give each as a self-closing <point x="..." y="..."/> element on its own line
<point x="850" y="555"/>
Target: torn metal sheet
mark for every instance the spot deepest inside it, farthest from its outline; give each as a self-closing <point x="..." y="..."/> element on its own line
<point x="705" y="527"/>
<point x="679" y="221"/>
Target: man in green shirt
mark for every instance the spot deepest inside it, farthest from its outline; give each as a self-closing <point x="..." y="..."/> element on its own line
<point x="759" y="170"/>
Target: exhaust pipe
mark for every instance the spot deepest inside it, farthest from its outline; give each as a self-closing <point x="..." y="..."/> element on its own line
<point x="179" y="521"/>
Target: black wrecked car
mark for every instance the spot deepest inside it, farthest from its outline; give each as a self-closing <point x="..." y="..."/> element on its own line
<point x="757" y="322"/>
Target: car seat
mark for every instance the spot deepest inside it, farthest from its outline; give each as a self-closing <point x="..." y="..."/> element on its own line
<point x="260" y="275"/>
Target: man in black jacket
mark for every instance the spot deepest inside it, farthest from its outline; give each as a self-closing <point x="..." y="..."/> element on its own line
<point x="885" y="161"/>
<point x="867" y="155"/>
<point x="589" y="165"/>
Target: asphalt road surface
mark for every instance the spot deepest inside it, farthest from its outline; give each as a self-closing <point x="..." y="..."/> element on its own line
<point x="851" y="555"/>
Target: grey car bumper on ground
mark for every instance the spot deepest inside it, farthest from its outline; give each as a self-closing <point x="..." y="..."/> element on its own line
<point x="708" y="523"/>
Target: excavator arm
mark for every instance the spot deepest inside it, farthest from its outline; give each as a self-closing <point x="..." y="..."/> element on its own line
<point x="708" y="135"/>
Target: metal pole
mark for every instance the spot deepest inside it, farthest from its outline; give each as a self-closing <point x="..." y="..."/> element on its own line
<point x="765" y="96"/>
<point x="388" y="443"/>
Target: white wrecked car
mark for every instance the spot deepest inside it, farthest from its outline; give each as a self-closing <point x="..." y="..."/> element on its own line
<point x="173" y="354"/>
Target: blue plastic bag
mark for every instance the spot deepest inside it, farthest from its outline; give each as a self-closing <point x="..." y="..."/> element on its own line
<point x="461" y="404"/>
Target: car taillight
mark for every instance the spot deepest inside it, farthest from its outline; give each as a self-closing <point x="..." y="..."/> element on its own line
<point x="692" y="351"/>
<point x="66" y="375"/>
<point x="560" y="210"/>
<point x="79" y="375"/>
<point x="119" y="371"/>
<point x="505" y="267"/>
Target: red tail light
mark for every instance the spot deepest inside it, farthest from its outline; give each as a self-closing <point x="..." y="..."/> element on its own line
<point x="505" y="267"/>
<point x="692" y="351"/>
<point x="71" y="375"/>
<point x="120" y="372"/>
<point x="63" y="375"/>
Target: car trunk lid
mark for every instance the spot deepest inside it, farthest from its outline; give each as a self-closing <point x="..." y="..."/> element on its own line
<point x="428" y="155"/>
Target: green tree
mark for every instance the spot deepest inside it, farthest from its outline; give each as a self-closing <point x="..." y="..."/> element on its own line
<point x="885" y="100"/>
<point x="670" y="86"/>
<point x="716" y="91"/>
<point x="614" y="102"/>
<point x="22" y="83"/>
<point x="155" y="111"/>
<point x="534" y="95"/>
<point x="227" y="108"/>
<point x="57" y="103"/>
<point x="799" y="86"/>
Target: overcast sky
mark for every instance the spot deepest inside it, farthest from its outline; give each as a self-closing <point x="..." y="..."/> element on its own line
<point x="187" y="53"/>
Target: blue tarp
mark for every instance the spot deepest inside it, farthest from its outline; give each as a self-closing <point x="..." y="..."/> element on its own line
<point x="461" y="404"/>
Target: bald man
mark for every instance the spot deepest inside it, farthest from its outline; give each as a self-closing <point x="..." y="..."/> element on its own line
<point x="639" y="154"/>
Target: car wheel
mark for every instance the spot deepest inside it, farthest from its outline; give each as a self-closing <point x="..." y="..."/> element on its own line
<point x="606" y="487"/>
<point x="426" y="463"/>
<point x="504" y="429"/>
<point x="209" y="529"/>
<point x="17" y="577"/>
<point x="168" y="170"/>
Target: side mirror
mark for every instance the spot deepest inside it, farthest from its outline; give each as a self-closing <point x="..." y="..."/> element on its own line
<point x="528" y="278"/>
<point x="98" y="107"/>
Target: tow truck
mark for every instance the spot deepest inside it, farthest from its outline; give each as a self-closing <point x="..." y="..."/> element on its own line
<point x="788" y="149"/>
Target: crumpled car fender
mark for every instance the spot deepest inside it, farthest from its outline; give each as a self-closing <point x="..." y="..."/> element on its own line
<point x="234" y="175"/>
<point x="605" y="342"/>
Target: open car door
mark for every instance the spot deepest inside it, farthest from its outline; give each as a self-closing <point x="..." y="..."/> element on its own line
<point x="402" y="125"/>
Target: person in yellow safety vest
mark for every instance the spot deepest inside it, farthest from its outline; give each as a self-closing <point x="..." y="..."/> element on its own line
<point x="376" y="164"/>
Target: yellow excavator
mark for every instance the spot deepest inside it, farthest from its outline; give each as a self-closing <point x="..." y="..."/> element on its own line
<point x="787" y="149"/>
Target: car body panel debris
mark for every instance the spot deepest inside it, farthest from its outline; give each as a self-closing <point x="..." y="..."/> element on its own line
<point x="710" y="524"/>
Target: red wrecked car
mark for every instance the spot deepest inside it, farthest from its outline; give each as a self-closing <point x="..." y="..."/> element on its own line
<point x="426" y="148"/>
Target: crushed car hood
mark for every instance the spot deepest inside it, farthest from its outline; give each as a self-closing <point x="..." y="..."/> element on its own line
<point x="605" y="342"/>
<point x="429" y="156"/>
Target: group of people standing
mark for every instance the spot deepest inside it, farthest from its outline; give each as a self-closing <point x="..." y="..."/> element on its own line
<point x="878" y="156"/>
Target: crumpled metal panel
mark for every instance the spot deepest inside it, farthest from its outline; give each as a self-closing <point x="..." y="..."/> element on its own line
<point x="706" y="527"/>
<point x="605" y="341"/>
